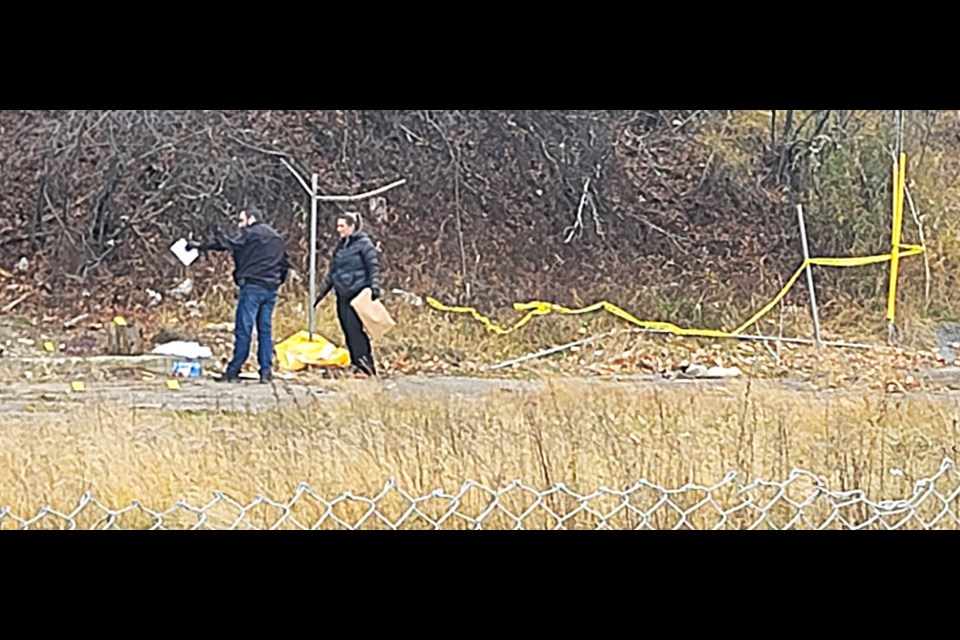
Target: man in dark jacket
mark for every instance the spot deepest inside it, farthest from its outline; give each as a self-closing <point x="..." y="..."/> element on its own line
<point x="261" y="266"/>
<point x="354" y="267"/>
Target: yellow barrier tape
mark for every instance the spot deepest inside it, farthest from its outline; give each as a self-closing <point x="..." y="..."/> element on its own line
<point x="899" y="189"/>
<point x="859" y="261"/>
<point x="538" y="308"/>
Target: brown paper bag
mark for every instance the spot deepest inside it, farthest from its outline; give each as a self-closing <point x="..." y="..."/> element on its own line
<point x="375" y="317"/>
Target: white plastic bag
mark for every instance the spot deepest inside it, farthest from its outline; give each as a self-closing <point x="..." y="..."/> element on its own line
<point x="180" y="349"/>
<point x="179" y="249"/>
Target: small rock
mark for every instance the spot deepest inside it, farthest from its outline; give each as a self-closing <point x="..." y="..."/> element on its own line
<point x="166" y="335"/>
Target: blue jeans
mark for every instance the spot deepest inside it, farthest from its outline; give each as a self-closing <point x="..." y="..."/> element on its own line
<point x="254" y="304"/>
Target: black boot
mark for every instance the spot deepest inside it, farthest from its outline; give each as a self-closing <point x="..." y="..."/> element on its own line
<point x="366" y="366"/>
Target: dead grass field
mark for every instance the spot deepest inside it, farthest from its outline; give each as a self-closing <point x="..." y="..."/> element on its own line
<point x="582" y="434"/>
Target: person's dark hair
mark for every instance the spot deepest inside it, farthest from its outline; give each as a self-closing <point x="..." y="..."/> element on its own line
<point x="353" y="219"/>
<point x="254" y="212"/>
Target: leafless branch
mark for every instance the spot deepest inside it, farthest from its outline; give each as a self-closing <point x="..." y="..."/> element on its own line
<point x="577" y="227"/>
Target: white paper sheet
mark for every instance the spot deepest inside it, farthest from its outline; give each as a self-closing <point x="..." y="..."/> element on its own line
<point x="179" y="249"/>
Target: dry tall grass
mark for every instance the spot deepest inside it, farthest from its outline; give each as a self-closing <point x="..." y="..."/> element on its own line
<point x="583" y="435"/>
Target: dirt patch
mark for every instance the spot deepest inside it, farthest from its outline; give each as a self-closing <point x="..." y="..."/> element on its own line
<point x="22" y="397"/>
<point x="205" y="394"/>
<point x="202" y="395"/>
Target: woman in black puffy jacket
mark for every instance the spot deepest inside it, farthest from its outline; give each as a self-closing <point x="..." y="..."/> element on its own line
<point x="354" y="267"/>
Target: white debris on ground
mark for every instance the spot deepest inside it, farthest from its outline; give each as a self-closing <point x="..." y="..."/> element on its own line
<point x="699" y="371"/>
<point x="183" y="289"/>
<point x="182" y="349"/>
<point x="409" y="298"/>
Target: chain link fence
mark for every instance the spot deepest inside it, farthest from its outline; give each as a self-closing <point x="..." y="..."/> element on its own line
<point x="801" y="501"/>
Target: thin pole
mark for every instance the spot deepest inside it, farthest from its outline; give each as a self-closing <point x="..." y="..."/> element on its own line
<point x="363" y="196"/>
<point x="311" y="320"/>
<point x="551" y="350"/>
<point x="735" y="336"/>
<point x="806" y="260"/>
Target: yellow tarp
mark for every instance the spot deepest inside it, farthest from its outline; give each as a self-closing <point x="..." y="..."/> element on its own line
<point x="297" y="352"/>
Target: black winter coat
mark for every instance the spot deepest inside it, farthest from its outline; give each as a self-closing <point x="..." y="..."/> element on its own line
<point x="355" y="266"/>
<point x="259" y="255"/>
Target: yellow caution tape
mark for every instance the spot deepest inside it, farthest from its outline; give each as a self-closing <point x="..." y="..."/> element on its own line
<point x="899" y="178"/>
<point x="534" y="309"/>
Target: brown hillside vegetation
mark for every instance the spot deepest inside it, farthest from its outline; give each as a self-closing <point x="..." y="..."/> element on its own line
<point x="688" y="215"/>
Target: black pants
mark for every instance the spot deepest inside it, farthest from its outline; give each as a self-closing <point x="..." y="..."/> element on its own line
<point x="358" y="344"/>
